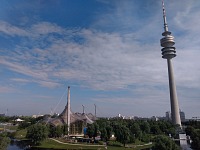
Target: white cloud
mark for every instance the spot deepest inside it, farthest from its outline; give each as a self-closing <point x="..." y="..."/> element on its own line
<point x="6" y="89"/>
<point x="103" y="61"/>
<point x="12" y="30"/>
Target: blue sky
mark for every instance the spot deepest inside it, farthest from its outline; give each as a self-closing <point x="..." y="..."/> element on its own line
<point x="107" y="51"/>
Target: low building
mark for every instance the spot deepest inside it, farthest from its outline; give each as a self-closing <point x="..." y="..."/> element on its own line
<point x="76" y="122"/>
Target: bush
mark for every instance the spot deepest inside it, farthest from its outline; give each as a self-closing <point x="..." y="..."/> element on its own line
<point x="163" y="142"/>
<point x="37" y="133"/>
<point x="101" y="142"/>
<point x="114" y="143"/>
<point x="145" y="138"/>
<point x="4" y="141"/>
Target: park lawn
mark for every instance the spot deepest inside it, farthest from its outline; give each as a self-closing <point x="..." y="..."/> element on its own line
<point x="10" y="127"/>
<point x="55" y="145"/>
<point x="20" y="134"/>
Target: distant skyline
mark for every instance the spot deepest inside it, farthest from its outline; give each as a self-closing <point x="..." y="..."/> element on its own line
<point x="108" y="52"/>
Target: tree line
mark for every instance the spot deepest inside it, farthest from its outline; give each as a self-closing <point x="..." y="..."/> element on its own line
<point x="128" y="131"/>
<point x="124" y="131"/>
<point x="193" y="130"/>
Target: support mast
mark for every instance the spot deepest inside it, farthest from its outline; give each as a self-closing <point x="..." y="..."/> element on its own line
<point x="68" y="110"/>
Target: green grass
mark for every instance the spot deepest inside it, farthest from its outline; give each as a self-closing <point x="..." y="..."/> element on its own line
<point x="20" y="134"/>
<point x="9" y="127"/>
<point x="55" y="145"/>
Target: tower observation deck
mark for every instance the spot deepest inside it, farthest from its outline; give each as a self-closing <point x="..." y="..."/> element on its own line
<point x="169" y="52"/>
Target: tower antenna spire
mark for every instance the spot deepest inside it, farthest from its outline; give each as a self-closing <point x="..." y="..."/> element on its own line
<point x="164" y="17"/>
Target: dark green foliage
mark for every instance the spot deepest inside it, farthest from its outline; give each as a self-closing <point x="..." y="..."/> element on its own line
<point x="4" y="141"/>
<point x="90" y="130"/>
<point x="128" y="131"/>
<point x="52" y="131"/>
<point x="135" y="130"/>
<point x="163" y="142"/>
<point x="93" y="130"/>
<point x="37" y="133"/>
<point x="5" y="119"/>
<point x="105" y="130"/>
<point x="145" y="138"/>
<point x="24" y="125"/>
<point x="195" y="136"/>
<point x="114" y="143"/>
<point x="155" y="129"/>
<point x="57" y="131"/>
<point x="122" y="133"/>
<point x="65" y="129"/>
<point x="193" y="123"/>
<point x="193" y="130"/>
<point x="100" y="142"/>
<point x="145" y="127"/>
<point x="189" y="130"/>
<point x="104" y="135"/>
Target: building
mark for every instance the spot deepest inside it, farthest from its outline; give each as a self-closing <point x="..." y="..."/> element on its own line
<point x="76" y="122"/>
<point x="2" y="115"/>
<point x="182" y="116"/>
<point x="168" y="116"/>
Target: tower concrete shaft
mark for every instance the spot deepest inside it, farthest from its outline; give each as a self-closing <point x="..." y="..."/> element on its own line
<point x="68" y="110"/>
<point x="169" y="52"/>
<point x="173" y="95"/>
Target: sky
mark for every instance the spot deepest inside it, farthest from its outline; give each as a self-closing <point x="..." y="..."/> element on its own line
<point x="107" y="51"/>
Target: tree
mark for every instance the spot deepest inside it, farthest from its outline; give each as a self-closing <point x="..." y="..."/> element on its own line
<point x="109" y="131"/>
<point x="163" y="142"/>
<point x="195" y="136"/>
<point x="90" y="130"/>
<point x="96" y="129"/>
<point x="145" y="127"/>
<point x="4" y="141"/>
<point x="155" y="129"/>
<point x="93" y="130"/>
<point x="59" y="131"/>
<point x="37" y="133"/>
<point x="52" y="131"/>
<point x="104" y="135"/>
<point x="122" y="133"/>
<point x="189" y="130"/>
<point x="65" y="129"/>
<point x="145" y="137"/>
<point x="136" y="131"/>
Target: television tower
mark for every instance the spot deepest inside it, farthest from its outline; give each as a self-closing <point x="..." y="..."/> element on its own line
<point x="169" y="52"/>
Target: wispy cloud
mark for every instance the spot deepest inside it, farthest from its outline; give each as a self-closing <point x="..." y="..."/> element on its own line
<point x="6" y="89"/>
<point x="11" y="30"/>
<point x="102" y="61"/>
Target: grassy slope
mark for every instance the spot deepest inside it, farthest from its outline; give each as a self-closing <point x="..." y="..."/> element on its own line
<point x="20" y="134"/>
<point x="54" y="145"/>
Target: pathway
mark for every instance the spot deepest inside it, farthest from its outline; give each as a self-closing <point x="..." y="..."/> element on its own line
<point x="75" y="144"/>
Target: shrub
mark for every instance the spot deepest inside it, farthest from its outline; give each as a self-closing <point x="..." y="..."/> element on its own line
<point x="114" y="143"/>
<point x="101" y="142"/>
